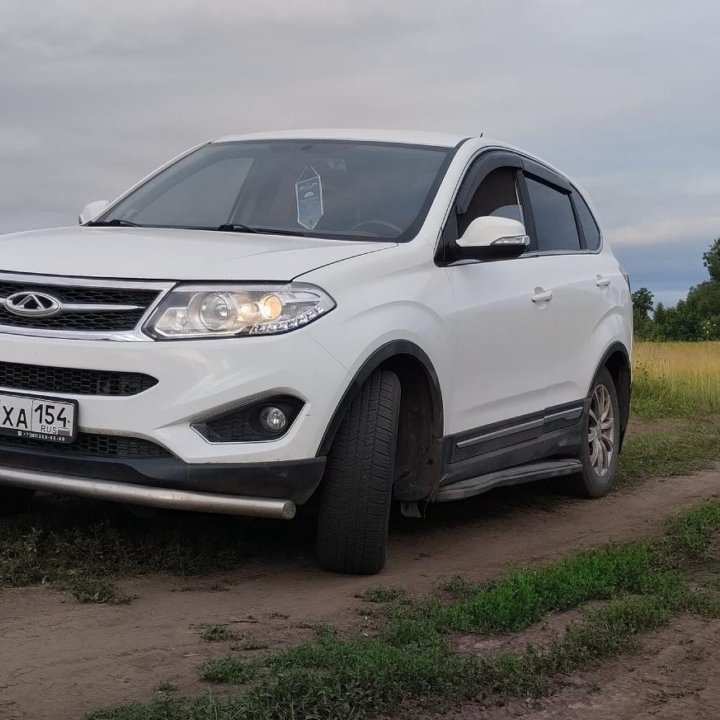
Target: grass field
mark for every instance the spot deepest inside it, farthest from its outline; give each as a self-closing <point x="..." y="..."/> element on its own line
<point x="676" y="379"/>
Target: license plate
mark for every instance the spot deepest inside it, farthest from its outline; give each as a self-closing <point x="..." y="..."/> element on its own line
<point x="41" y="418"/>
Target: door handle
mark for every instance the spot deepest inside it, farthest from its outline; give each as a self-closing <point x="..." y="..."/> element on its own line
<point x="542" y="295"/>
<point x="602" y="282"/>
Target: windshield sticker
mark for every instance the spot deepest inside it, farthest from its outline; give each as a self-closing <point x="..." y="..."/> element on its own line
<point x="308" y="193"/>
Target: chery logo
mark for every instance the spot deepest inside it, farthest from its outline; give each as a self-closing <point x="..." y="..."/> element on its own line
<point x="32" y="304"/>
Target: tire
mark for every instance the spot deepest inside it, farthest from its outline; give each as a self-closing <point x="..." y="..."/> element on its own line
<point x="356" y="494"/>
<point x="14" y="501"/>
<point x="599" y="455"/>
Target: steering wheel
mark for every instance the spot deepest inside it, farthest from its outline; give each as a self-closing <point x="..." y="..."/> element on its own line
<point x="383" y="223"/>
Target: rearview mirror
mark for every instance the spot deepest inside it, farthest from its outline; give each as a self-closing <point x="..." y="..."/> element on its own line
<point x="493" y="238"/>
<point x="92" y="210"/>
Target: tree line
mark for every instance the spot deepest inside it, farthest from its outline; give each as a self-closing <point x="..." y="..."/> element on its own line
<point x="695" y="318"/>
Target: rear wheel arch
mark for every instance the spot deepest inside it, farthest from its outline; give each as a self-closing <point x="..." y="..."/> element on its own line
<point x="616" y="360"/>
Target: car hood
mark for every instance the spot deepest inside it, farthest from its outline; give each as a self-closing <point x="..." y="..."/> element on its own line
<point x="170" y="254"/>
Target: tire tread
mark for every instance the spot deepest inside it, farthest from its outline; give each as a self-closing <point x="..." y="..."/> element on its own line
<point x="357" y="489"/>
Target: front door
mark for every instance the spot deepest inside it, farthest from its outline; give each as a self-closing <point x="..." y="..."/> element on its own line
<point x="502" y="321"/>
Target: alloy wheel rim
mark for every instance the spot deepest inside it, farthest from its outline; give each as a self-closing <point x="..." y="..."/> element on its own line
<point x="601" y="431"/>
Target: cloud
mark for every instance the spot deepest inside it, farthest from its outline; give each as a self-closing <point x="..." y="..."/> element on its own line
<point x="620" y="95"/>
<point x="666" y="230"/>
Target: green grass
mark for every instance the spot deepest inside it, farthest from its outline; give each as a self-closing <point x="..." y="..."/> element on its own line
<point x="166" y="686"/>
<point x="692" y="534"/>
<point x="606" y="632"/>
<point x="70" y="545"/>
<point x="641" y="586"/>
<point x="664" y="453"/>
<point x="217" y="633"/>
<point x="227" y="670"/>
<point x="524" y="597"/>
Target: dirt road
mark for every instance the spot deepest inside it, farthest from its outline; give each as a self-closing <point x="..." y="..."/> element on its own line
<point x="59" y="659"/>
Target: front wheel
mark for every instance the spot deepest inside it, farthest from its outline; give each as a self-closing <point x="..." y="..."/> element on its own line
<point x="601" y="446"/>
<point x="14" y="500"/>
<point x="356" y="493"/>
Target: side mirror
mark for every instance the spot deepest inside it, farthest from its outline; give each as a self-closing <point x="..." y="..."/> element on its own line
<point x="493" y="238"/>
<point x="92" y="210"/>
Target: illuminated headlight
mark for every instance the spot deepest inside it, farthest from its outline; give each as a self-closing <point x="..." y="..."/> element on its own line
<point x="195" y="311"/>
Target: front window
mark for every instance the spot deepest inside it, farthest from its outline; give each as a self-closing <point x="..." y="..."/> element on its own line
<point x="496" y="196"/>
<point x="323" y="188"/>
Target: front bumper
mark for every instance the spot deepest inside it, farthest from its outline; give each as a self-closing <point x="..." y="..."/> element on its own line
<point x="198" y="380"/>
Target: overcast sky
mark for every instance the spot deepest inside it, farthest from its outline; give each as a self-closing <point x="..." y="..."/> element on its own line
<point x="623" y="95"/>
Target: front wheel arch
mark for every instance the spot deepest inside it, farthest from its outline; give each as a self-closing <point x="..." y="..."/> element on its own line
<point x="419" y="452"/>
<point x="386" y="354"/>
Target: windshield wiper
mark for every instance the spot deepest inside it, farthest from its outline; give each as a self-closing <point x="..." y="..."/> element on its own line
<point x="236" y="227"/>
<point x="115" y="222"/>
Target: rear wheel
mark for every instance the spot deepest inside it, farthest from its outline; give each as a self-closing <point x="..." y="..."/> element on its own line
<point x="356" y="493"/>
<point x="601" y="430"/>
<point x="14" y="500"/>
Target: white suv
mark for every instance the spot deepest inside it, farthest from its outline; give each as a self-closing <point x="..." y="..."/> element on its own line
<point x="349" y="317"/>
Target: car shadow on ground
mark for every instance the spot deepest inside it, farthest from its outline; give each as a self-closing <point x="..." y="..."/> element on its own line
<point x="99" y="537"/>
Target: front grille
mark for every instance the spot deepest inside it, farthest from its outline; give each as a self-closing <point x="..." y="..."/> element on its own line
<point x="73" y="381"/>
<point x="86" y="320"/>
<point x="91" y="445"/>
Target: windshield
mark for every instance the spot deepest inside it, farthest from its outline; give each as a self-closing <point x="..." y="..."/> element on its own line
<point x="336" y="189"/>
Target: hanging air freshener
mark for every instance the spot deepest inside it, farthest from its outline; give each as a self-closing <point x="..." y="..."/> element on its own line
<point x="308" y="193"/>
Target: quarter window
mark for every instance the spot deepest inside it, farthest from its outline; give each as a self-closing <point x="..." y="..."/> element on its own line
<point x="587" y="223"/>
<point x="555" y="224"/>
<point x="496" y="195"/>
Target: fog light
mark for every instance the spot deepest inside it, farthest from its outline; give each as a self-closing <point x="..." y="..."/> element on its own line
<point x="273" y="419"/>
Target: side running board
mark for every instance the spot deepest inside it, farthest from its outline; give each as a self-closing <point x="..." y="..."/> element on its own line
<point x="512" y="476"/>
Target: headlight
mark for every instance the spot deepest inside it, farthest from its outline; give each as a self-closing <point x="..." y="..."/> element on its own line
<point x="195" y="311"/>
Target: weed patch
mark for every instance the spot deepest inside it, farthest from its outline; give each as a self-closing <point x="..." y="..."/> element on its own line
<point x="89" y="589"/>
<point x="217" y="633"/>
<point x="382" y="594"/>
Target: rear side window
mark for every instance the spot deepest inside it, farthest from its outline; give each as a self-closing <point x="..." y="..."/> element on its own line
<point x="554" y="217"/>
<point x="497" y="196"/>
<point x="589" y="226"/>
